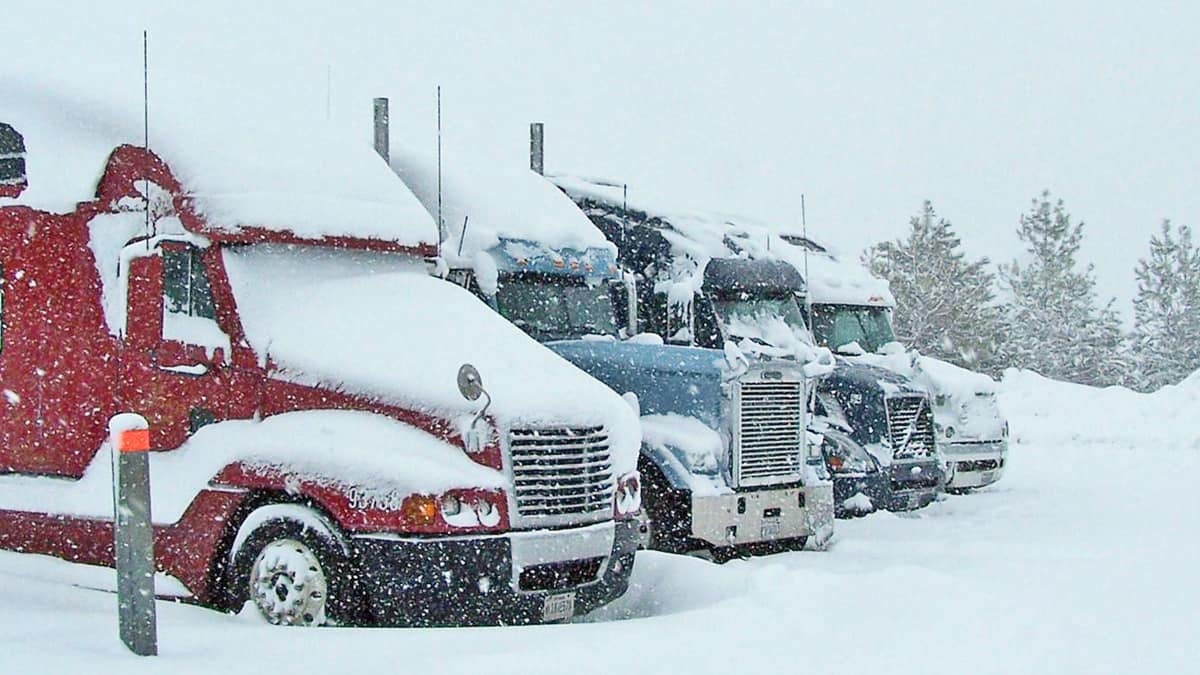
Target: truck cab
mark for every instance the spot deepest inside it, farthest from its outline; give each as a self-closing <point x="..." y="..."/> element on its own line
<point x="719" y="282"/>
<point x="852" y="315"/>
<point x="725" y="463"/>
<point x="331" y="442"/>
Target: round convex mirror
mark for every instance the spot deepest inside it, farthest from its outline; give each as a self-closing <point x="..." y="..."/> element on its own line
<point x="470" y="384"/>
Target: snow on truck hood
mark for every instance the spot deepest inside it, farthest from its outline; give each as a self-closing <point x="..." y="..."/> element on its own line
<point x="239" y="167"/>
<point x="376" y="324"/>
<point x="375" y="461"/>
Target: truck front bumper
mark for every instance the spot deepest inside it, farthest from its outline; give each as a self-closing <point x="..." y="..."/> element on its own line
<point x="894" y="488"/>
<point x="489" y="579"/>
<point x="764" y="516"/>
<point x="974" y="464"/>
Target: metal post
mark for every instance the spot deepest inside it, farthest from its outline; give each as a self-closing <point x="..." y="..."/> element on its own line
<point x="382" y="142"/>
<point x="537" y="160"/>
<point x="133" y="534"/>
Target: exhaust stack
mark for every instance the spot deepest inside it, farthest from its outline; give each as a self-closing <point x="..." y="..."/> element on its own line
<point x="382" y="142"/>
<point x="537" y="161"/>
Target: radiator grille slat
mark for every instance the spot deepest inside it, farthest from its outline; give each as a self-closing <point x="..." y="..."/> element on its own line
<point x="910" y="425"/>
<point x="770" y="432"/>
<point x="561" y="471"/>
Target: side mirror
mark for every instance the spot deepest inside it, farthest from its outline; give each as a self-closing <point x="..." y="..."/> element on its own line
<point x="470" y="383"/>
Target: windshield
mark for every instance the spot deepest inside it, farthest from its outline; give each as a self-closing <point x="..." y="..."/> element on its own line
<point x="550" y="308"/>
<point x="759" y="318"/>
<point x="835" y="326"/>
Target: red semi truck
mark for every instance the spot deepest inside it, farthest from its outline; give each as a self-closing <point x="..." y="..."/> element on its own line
<point x="311" y="450"/>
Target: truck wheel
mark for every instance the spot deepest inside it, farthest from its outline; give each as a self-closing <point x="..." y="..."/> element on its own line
<point x="293" y="566"/>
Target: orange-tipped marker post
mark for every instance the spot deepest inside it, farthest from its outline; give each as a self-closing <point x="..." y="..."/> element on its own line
<point x="133" y="533"/>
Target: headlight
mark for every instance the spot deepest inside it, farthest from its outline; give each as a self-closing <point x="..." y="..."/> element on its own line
<point x="628" y="497"/>
<point x="843" y="455"/>
<point x="451" y="505"/>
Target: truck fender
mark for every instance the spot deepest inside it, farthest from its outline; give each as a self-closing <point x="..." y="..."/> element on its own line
<point x="668" y="465"/>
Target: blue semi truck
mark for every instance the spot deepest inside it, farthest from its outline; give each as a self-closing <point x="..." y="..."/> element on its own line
<point x="726" y="464"/>
<point x="718" y="281"/>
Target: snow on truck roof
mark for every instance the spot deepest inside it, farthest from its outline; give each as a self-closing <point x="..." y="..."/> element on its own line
<point x="703" y="236"/>
<point x="377" y="324"/>
<point x="275" y="173"/>
<point x="498" y="198"/>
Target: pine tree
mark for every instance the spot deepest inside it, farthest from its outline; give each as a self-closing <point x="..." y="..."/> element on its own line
<point x="1052" y="323"/>
<point x="1166" y="337"/>
<point x="944" y="302"/>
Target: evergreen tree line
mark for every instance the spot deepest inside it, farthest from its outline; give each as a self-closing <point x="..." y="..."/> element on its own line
<point x="1044" y="314"/>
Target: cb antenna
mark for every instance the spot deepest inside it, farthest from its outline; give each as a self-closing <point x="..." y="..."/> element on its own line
<point x="439" y="170"/>
<point x="146" y="123"/>
<point x="807" y="279"/>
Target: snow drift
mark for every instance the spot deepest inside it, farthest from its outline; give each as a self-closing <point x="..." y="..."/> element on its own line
<point x="1062" y="414"/>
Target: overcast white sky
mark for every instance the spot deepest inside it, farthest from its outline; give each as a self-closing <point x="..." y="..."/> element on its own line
<point x="867" y="109"/>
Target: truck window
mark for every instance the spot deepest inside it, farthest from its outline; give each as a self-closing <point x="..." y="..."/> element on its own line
<point x="12" y="157"/>
<point x="186" y="289"/>
<point x="554" y="308"/>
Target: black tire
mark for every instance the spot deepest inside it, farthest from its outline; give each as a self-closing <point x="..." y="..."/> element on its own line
<point x="287" y="551"/>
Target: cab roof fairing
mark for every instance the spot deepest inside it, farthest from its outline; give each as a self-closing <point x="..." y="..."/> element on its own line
<point x="245" y="174"/>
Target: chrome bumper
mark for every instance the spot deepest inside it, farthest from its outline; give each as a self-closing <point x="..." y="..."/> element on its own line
<point x="970" y="464"/>
<point x="759" y="516"/>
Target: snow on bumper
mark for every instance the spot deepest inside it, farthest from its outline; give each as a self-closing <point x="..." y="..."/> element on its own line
<point x="974" y="464"/>
<point x="493" y="578"/>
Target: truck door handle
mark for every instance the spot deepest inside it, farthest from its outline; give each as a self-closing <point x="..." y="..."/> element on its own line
<point x="196" y="369"/>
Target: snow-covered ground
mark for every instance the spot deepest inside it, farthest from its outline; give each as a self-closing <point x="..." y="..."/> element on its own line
<point x="1083" y="559"/>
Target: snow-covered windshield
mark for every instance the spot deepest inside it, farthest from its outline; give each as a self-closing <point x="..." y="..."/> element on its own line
<point x="771" y="319"/>
<point x="556" y="308"/>
<point x="771" y="326"/>
<point x="835" y="326"/>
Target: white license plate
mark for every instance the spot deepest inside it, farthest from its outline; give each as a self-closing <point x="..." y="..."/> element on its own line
<point x="985" y="477"/>
<point x="771" y="528"/>
<point x="558" y="607"/>
<point x="914" y="501"/>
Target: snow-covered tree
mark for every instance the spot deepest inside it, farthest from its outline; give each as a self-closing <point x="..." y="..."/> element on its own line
<point x="1166" y="337"/>
<point x="1052" y="323"/>
<point x="944" y="302"/>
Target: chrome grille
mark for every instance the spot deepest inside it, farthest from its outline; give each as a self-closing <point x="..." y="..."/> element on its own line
<point x="770" y="432"/>
<point x="561" y="471"/>
<point x="910" y="425"/>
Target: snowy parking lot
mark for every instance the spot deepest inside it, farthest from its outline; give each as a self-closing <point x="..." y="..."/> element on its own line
<point x="1082" y="559"/>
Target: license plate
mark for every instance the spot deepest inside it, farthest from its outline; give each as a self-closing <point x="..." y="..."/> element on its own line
<point x="558" y="607"/>
<point x="985" y="477"/>
<point x="914" y="501"/>
<point x="771" y="528"/>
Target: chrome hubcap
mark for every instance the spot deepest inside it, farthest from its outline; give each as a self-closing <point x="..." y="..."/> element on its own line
<point x="288" y="585"/>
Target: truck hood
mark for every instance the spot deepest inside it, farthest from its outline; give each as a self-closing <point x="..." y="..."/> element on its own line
<point x="376" y="325"/>
<point x="859" y="390"/>
<point x="667" y="379"/>
<point x="963" y="400"/>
